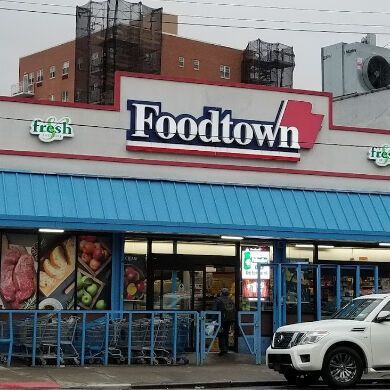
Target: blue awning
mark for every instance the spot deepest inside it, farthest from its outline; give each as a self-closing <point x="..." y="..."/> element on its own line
<point x="111" y="204"/>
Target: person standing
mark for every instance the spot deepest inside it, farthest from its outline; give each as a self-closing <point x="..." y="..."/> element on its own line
<point x="225" y="305"/>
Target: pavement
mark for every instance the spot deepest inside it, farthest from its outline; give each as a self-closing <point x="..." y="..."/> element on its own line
<point x="229" y="371"/>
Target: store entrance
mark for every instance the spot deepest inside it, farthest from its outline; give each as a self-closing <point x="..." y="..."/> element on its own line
<point x="190" y="282"/>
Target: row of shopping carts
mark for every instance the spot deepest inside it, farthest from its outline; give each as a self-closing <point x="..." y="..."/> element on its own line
<point x="49" y="339"/>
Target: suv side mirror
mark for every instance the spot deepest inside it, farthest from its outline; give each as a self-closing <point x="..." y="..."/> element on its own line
<point x="383" y="316"/>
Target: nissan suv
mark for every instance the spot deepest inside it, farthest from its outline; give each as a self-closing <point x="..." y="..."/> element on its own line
<point x="355" y="340"/>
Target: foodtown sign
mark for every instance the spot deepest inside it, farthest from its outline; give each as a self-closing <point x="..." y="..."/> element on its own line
<point x="219" y="133"/>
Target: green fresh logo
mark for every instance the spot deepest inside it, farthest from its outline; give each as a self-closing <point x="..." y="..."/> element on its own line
<point x="52" y="129"/>
<point x="380" y="154"/>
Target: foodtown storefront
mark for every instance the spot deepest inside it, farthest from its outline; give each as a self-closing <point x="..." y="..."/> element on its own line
<point x="183" y="188"/>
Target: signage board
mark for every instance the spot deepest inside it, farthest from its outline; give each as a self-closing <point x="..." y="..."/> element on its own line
<point x="380" y="155"/>
<point x="218" y="131"/>
<point x="252" y="258"/>
<point x="51" y="129"/>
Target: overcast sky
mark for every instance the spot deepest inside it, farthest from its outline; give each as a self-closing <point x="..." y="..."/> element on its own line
<point x="24" y="33"/>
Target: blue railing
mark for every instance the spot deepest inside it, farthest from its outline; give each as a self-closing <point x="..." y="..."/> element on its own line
<point x="249" y="322"/>
<point x="81" y="337"/>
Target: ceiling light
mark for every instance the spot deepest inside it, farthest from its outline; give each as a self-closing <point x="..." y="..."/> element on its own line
<point x="325" y="246"/>
<point x="235" y="238"/>
<point x="51" y="230"/>
<point x="304" y="246"/>
<point x="384" y="244"/>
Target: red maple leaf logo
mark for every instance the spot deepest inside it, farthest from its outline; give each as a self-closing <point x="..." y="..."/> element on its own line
<point x="298" y="114"/>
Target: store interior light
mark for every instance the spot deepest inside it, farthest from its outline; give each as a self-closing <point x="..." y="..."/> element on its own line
<point x="235" y="238"/>
<point x="384" y="244"/>
<point x="51" y="230"/>
<point x="312" y="246"/>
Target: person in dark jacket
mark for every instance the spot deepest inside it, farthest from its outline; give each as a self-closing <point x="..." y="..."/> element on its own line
<point x="227" y="308"/>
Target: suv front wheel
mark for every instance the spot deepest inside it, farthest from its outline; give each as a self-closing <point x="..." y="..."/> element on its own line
<point x="342" y="368"/>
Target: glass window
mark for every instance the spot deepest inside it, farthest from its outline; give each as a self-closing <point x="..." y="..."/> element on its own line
<point x="206" y="248"/>
<point x="39" y="75"/>
<point x="64" y="96"/>
<point x="65" y="68"/>
<point x="162" y="247"/>
<point x="51" y="97"/>
<point x="224" y="72"/>
<point x="138" y="247"/>
<point x="252" y="257"/>
<point x="181" y="62"/>
<point x="300" y="252"/>
<point x="80" y="63"/>
<point x="357" y="310"/>
<point x="196" y="64"/>
<point x="31" y="77"/>
<point x="353" y="254"/>
<point x="134" y="281"/>
<point x="52" y="72"/>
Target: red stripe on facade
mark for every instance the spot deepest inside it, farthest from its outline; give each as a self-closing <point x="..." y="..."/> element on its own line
<point x="30" y="385"/>
<point x="157" y="149"/>
<point x="188" y="164"/>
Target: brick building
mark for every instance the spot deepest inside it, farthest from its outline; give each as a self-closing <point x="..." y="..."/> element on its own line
<point x="50" y="74"/>
<point x="83" y="70"/>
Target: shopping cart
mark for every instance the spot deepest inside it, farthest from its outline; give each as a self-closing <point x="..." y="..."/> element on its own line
<point x="139" y="333"/>
<point x="4" y="346"/>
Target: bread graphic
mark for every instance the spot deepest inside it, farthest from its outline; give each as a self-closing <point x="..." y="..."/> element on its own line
<point x="57" y="266"/>
<point x="58" y="257"/>
<point x="45" y="281"/>
<point x="70" y="250"/>
<point x="52" y="271"/>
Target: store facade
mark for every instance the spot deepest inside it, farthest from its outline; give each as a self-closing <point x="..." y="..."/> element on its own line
<point x="183" y="188"/>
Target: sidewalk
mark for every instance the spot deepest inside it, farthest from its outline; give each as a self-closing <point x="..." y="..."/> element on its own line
<point x="232" y="370"/>
<point x="228" y="370"/>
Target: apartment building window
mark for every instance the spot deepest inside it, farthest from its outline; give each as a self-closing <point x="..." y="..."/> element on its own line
<point x="52" y="72"/>
<point x="65" y="68"/>
<point x="51" y="98"/>
<point x="39" y="75"/>
<point x="80" y="64"/>
<point x="196" y="64"/>
<point x="224" y="71"/>
<point x="64" y="96"/>
<point x="181" y="62"/>
<point x="31" y="78"/>
<point x="96" y="60"/>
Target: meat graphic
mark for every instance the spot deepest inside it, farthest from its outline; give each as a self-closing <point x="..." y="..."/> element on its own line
<point x="18" y="279"/>
<point x="24" y="278"/>
<point x="7" y="288"/>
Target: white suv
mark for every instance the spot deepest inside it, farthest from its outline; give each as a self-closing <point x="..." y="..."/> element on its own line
<point x="355" y="340"/>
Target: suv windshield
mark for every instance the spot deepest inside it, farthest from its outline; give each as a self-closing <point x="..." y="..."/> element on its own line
<point x="357" y="310"/>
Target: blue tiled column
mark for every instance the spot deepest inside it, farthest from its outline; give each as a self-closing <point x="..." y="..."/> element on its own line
<point x="117" y="271"/>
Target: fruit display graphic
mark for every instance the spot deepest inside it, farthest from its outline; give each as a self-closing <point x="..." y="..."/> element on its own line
<point x="94" y="272"/>
<point x="94" y="253"/>
<point x="89" y="289"/>
<point x="134" y="277"/>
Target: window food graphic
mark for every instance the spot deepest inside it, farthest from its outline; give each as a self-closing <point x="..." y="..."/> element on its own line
<point x="134" y="277"/>
<point x="94" y="272"/>
<point x="18" y="268"/>
<point x="57" y="271"/>
<point x="252" y="258"/>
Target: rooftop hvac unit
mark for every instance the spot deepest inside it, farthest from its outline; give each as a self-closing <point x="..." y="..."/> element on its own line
<point x="355" y="68"/>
